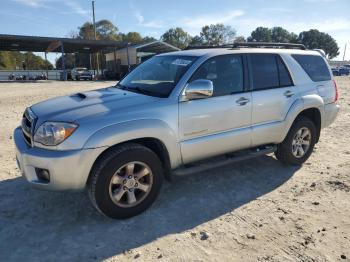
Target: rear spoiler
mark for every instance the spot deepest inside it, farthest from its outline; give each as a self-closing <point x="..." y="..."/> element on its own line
<point x="321" y="51"/>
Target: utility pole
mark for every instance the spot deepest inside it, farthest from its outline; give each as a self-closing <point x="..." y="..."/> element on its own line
<point x="344" y="53"/>
<point x="93" y="19"/>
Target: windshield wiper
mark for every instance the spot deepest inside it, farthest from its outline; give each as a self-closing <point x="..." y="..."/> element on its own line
<point x="147" y="92"/>
<point x="140" y="90"/>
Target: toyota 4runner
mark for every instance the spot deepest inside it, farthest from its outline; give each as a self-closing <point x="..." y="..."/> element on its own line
<point x="174" y="109"/>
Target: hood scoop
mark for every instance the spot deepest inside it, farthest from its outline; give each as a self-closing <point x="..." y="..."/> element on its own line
<point x="80" y="95"/>
<point x="96" y="94"/>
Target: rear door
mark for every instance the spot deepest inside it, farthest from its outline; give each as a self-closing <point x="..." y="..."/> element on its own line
<point x="273" y="93"/>
<point x="220" y="123"/>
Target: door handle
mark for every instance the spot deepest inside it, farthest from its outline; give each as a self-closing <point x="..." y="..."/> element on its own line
<point x="242" y="101"/>
<point x="288" y="93"/>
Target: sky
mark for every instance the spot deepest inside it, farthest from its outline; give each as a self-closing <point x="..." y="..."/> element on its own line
<point x="153" y="17"/>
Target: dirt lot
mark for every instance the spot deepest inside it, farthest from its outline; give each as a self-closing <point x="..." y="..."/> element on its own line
<point x="257" y="210"/>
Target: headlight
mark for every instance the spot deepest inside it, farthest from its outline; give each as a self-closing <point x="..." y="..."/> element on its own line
<point x="54" y="133"/>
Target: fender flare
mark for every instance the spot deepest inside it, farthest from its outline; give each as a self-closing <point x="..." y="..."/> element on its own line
<point x="304" y="103"/>
<point x="137" y="129"/>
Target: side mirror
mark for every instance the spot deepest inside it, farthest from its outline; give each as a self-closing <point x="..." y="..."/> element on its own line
<point x="198" y="89"/>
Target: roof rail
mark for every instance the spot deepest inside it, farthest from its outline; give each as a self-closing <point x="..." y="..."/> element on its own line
<point x="190" y="47"/>
<point x="251" y="44"/>
<point x="270" y="45"/>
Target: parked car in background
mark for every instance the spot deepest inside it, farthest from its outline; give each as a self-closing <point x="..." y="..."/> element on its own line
<point x="81" y="73"/>
<point x="343" y="70"/>
<point x="335" y="71"/>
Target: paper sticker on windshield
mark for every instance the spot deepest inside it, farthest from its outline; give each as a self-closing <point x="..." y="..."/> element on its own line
<point x="181" y="62"/>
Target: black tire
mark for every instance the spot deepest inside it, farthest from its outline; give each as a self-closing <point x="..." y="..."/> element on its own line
<point x="284" y="150"/>
<point x="104" y="169"/>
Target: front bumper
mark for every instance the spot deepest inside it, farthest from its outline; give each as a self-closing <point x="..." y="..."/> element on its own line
<point x="69" y="170"/>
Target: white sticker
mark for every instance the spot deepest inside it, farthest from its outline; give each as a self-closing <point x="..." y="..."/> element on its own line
<point x="181" y="62"/>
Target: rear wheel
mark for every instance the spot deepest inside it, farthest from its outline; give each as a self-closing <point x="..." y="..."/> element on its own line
<point x="125" y="181"/>
<point x="299" y="143"/>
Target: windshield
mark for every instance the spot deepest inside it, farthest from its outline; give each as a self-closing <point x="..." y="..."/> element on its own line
<point x="157" y="76"/>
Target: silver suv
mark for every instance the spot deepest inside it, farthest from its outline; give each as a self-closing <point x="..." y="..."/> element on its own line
<point x="174" y="109"/>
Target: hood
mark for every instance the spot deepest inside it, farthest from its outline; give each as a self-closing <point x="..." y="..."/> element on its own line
<point x="87" y="104"/>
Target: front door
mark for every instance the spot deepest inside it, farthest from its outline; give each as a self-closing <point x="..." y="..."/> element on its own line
<point x="221" y="123"/>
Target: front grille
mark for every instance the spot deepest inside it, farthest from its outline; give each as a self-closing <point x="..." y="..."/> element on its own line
<point x="28" y="122"/>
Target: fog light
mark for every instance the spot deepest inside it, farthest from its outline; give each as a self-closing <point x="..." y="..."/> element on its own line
<point x="43" y="175"/>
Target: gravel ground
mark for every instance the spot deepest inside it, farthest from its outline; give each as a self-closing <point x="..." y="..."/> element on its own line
<point x="256" y="210"/>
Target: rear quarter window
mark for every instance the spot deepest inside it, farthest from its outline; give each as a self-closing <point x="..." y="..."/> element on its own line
<point x="314" y="66"/>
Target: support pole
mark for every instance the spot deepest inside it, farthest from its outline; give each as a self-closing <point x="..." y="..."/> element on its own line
<point x="128" y="57"/>
<point x="47" y="70"/>
<point x="63" y="64"/>
<point x="115" y="59"/>
<point x="94" y="23"/>
<point x="344" y="52"/>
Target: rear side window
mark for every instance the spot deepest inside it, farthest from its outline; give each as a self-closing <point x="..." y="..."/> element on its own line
<point x="314" y="66"/>
<point x="284" y="75"/>
<point x="269" y="71"/>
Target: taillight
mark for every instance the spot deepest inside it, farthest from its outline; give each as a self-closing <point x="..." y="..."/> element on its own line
<point x="336" y="91"/>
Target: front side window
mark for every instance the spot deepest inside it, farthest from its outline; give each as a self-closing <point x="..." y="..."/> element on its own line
<point x="157" y="76"/>
<point x="226" y="73"/>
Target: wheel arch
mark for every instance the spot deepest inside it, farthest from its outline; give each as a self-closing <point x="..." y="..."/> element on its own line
<point x="314" y="115"/>
<point x="311" y="106"/>
<point x="154" y="144"/>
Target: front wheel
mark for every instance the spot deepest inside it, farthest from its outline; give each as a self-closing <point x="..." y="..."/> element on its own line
<point x="299" y="143"/>
<point x="125" y="181"/>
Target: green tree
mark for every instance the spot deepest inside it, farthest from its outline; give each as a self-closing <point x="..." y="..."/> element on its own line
<point x="69" y="61"/>
<point x="6" y="61"/>
<point x="86" y="31"/>
<point x="132" y="37"/>
<point x="12" y="60"/>
<point x="105" y="30"/>
<point x="240" y="39"/>
<point x="217" y="34"/>
<point x="281" y="35"/>
<point x="314" y="39"/>
<point x="177" y="37"/>
<point x="197" y="40"/>
<point x="149" y="39"/>
<point x="260" y="34"/>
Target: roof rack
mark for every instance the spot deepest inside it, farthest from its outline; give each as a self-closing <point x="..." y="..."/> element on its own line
<point x="252" y="44"/>
<point x="269" y="45"/>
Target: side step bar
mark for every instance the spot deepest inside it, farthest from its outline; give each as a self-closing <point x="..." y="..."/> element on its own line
<point x="230" y="158"/>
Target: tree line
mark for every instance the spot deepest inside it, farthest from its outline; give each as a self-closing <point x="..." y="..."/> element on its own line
<point x="214" y="34"/>
<point x="10" y="60"/>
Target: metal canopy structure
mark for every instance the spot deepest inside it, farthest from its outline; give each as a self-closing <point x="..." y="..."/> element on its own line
<point x="156" y="47"/>
<point x="54" y="44"/>
<point x="69" y="45"/>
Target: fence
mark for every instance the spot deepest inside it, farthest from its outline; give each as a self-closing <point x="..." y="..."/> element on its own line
<point x="52" y="74"/>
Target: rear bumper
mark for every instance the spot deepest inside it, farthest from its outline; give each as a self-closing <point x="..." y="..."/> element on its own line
<point x="69" y="170"/>
<point x="330" y="113"/>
